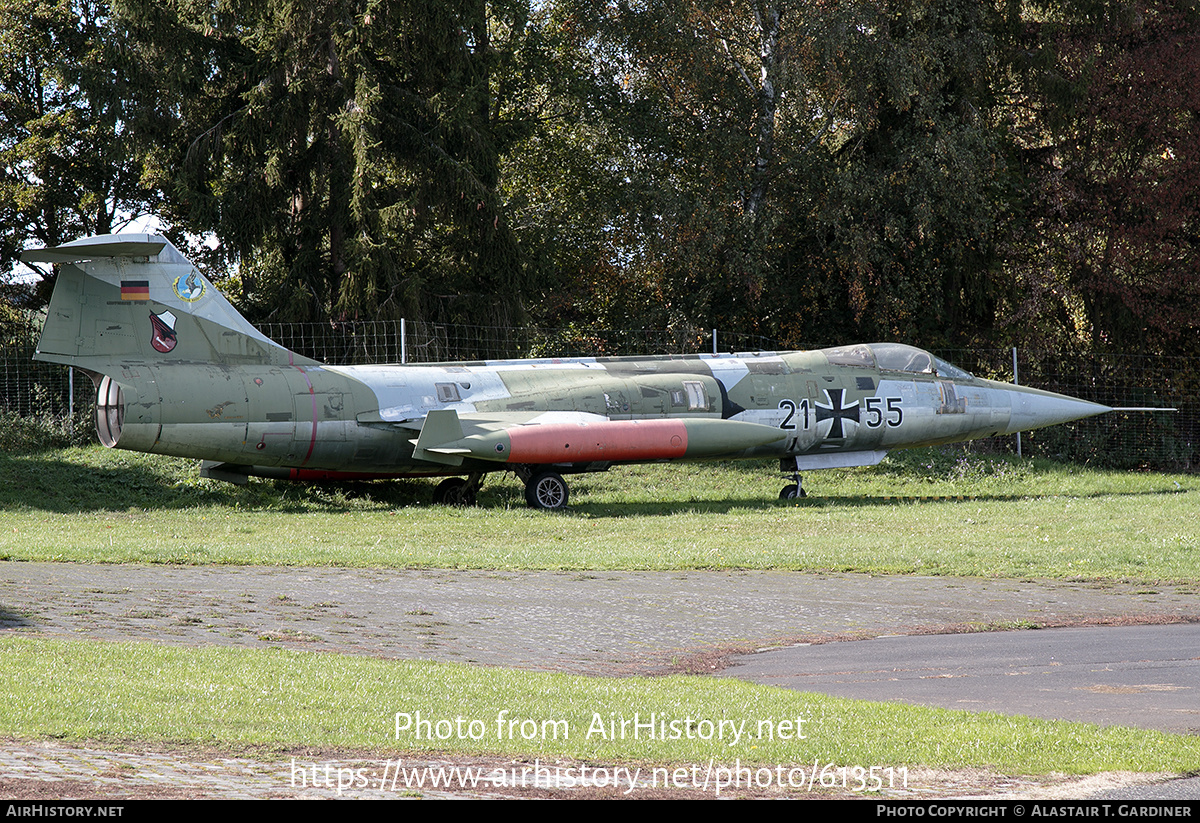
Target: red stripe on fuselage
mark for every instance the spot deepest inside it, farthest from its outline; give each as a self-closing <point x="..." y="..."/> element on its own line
<point x="610" y="440"/>
<point x="312" y="442"/>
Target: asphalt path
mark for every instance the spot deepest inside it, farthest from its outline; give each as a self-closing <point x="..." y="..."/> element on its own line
<point x="1143" y="676"/>
<point x="649" y="622"/>
<point x="1125" y="654"/>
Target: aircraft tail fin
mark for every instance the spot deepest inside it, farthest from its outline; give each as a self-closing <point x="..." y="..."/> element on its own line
<point x="124" y="298"/>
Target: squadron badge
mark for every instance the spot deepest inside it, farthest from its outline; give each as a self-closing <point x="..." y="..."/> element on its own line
<point x="162" y="337"/>
<point x="190" y="288"/>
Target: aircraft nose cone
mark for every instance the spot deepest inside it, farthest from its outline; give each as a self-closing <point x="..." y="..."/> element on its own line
<point x="1033" y="409"/>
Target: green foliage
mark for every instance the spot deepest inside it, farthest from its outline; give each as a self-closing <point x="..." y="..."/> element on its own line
<point x="919" y="189"/>
<point x="345" y="152"/>
<point x="816" y="172"/>
<point x="15" y="328"/>
<point x="21" y="434"/>
<point x="1023" y="518"/>
<point x="937" y="171"/>
<point x="71" y="116"/>
<point x="34" y="416"/>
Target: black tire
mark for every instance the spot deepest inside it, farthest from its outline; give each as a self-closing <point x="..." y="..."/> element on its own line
<point x="454" y="491"/>
<point x="791" y="492"/>
<point x="547" y="491"/>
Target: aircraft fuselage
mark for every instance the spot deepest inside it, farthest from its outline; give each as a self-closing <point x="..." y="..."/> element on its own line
<point x="365" y="419"/>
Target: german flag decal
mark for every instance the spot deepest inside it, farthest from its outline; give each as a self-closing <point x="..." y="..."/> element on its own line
<point x="135" y="289"/>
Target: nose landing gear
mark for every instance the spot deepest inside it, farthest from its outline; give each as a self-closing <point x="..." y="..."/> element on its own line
<point x="795" y="489"/>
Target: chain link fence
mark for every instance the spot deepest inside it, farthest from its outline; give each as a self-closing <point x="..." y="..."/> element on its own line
<point x="363" y="342"/>
<point x="1159" y="440"/>
<point x="29" y="389"/>
<point x="41" y="392"/>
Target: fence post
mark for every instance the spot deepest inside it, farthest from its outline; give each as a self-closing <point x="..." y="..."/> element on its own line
<point x="71" y="402"/>
<point x="714" y="342"/>
<point x="403" y="343"/>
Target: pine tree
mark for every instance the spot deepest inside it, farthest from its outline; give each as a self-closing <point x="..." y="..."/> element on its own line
<point x="344" y="152"/>
<point x="71" y="126"/>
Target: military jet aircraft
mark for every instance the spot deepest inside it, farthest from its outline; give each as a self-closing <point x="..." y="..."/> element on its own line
<point x="178" y="371"/>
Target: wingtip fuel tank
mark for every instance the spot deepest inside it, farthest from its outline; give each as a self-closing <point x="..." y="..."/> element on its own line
<point x="614" y="441"/>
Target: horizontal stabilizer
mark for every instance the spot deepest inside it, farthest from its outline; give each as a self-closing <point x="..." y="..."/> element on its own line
<point x="90" y="248"/>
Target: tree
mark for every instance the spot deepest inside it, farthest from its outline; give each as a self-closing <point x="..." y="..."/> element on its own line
<point x="681" y="106"/>
<point x="70" y="120"/>
<point x="816" y="172"/>
<point x="919" y="191"/>
<point x="345" y="152"/>
<point x="1112" y="256"/>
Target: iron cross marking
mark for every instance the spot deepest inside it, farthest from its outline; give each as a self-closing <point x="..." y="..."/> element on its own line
<point x="836" y="412"/>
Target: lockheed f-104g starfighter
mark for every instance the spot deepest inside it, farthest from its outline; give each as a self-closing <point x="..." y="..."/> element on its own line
<point x="179" y="371"/>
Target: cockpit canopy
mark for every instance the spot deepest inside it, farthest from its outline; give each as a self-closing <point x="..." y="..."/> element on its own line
<point x="894" y="357"/>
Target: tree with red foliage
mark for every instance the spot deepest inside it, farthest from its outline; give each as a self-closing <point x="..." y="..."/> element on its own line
<point x="1113" y="255"/>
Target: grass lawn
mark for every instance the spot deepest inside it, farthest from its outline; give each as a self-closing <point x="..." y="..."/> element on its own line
<point x="239" y="698"/>
<point x="924" y="512"/>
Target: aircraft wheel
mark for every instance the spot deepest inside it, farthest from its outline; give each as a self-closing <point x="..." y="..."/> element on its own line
<point x="791" y="492"/>
<point x="546" y="491"/>
<point x="454" y="491"/>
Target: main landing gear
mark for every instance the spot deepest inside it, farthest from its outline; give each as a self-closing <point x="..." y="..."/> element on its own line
<point x="458" y="491"/>
<point x="544" y="489"/>
<point x="795" y="489"/>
